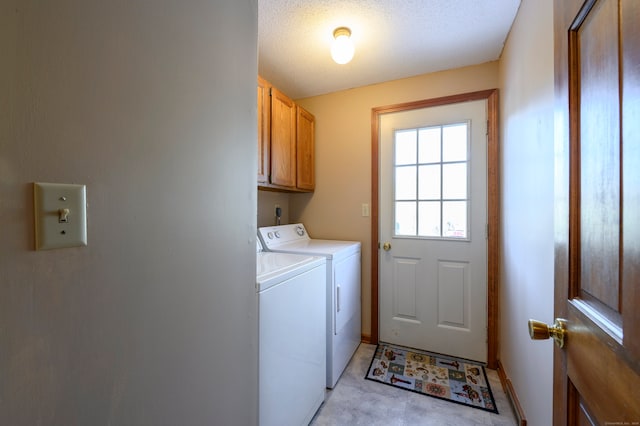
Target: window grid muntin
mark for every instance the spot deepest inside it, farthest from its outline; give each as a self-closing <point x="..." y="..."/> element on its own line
<point x="417" y="200"/>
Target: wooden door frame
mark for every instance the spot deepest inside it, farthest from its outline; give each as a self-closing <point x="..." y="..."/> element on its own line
<point x="493" y="207"/>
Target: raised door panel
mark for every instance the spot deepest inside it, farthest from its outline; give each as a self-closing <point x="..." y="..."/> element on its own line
<point x="283" y="139"/>
<point x="264" y="129"/>
<point x="305" y="149"/>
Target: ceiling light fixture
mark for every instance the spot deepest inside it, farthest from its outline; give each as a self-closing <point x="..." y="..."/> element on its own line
<point x="342" y="47"/>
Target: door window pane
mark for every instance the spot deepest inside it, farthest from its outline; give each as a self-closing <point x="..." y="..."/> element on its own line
<point x="405" y="218"/>
<point x="429" y="144"/>
<point x="454" y="219"/>
<point x="406" y="144"/>
<point x="406" y="183"/>
<point x="454" y="181"/>
<point x="429" y="219"/>
<point x="454" y="142"/>
<point x="429" y="182"/>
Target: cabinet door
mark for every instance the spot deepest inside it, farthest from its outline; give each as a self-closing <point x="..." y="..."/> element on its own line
<point x="283" y="139"/>
<point x="305" y="176"/>
<point x="264" y="129"/>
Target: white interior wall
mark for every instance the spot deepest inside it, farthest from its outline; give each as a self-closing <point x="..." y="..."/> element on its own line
<point x="526" y="74"/>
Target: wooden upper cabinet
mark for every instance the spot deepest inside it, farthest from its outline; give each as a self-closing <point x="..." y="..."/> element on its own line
<point x="286" y="138"/>
<point x="264" y="129"/>
<point x="305" y="136"/>
<point x="283" y="139"/>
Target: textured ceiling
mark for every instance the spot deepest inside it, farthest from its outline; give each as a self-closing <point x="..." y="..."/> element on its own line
<point x="393" y="39"/>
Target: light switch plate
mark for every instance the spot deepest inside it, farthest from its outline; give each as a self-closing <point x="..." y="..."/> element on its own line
<point x="60" y="212"/>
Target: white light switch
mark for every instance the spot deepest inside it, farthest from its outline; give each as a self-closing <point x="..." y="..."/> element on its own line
<point x="60" y="215"/>
<point x="365" y="210"/>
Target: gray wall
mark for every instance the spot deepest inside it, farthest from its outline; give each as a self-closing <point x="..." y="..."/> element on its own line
<point x="151" y="104"/>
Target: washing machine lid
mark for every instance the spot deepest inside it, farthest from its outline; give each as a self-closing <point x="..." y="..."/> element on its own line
<point x="273" y="268"/>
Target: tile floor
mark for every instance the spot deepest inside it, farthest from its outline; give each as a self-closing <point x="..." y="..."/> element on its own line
<point x="356" y="401"/>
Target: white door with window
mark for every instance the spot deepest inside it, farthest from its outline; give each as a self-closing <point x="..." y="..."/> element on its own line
<point x="433" y="229"/>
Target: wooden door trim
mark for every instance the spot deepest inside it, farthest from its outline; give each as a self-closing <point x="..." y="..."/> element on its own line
<point x="493" y="207"/>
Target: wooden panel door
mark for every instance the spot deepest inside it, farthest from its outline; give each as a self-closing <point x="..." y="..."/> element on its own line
<point x="597" y="251"/>
<point x="305" y="176"/>
<point x="264" y="129"/>
<point x="283" y="139"/>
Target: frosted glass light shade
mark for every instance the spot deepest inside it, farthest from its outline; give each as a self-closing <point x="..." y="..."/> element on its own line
<point x="342" y="48"/>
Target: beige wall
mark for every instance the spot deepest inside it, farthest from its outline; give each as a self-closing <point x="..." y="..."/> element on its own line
<point x="152" y="106"/>
<point x="526" y="83"/>
<point x="343" y="155"/>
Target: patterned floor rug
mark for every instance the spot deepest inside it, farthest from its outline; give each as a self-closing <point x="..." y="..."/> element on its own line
<point x="440" y="376"/>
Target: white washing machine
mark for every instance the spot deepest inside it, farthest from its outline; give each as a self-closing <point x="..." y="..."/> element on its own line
<point x="343" y="288"/>
<point x="292" y="329"/>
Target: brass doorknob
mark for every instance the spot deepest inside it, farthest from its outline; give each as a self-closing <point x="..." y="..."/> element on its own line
<point x="541" y="331"/>
<point x="386" y="246"/>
